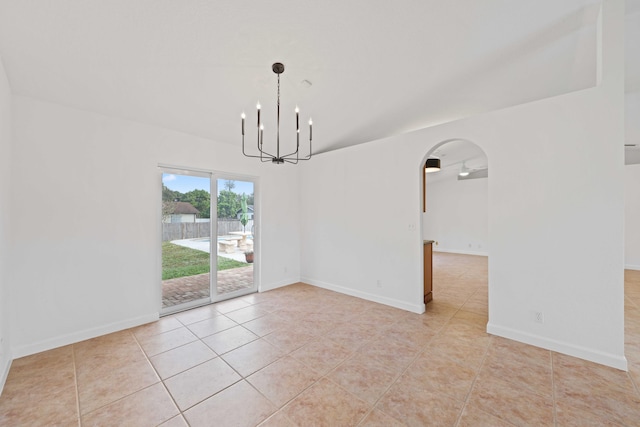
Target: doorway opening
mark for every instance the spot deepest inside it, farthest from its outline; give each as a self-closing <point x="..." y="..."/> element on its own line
<point x="455" y="204"/>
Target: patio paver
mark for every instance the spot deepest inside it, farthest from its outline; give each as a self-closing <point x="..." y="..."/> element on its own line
<point x="190" y="288"/>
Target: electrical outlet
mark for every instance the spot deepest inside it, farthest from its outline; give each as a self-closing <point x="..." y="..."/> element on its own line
<point x="538" y="317"/>
<point x="285" y="269"/>
<point x="378" y="283"/>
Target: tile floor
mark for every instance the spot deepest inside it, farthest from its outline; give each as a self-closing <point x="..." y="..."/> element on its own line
<point x="305" y="356"/>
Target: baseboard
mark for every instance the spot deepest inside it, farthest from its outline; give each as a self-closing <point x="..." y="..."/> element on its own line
<point x="631" y="267"/>
<point x="414" y="308"/>
<point x="454" y="251"/>
<point x="608" y="359"/>
<point x="5" y="371"/>
<point x="86" y="334"/>
<point x="264" y="287"/>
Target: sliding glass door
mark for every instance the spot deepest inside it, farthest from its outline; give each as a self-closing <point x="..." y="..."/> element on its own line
<point x="236" y="248"/>
<point x="186" y="239"/>
<point x="209" y="250"/>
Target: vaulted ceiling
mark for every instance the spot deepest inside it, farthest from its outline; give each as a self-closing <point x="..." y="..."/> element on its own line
<point x="377" y="68"/>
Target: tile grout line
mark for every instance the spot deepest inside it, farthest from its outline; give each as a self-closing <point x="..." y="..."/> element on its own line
<point x="75" y="378"/>
<point x="159" y="377"/>
<point x="553" y="389"/>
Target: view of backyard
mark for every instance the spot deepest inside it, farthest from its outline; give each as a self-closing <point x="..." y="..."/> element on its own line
<point x="180" y="261"/>
<point x="187" y="241"/>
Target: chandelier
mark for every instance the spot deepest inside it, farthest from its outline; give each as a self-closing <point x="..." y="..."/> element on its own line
<point x="278" y="158"/>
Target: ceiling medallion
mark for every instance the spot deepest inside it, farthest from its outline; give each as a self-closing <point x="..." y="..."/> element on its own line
<point x="277" y="158"/>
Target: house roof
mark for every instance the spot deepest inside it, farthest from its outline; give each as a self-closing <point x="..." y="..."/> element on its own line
<point x="249" y="209"/>
<point x="182" y="208"/>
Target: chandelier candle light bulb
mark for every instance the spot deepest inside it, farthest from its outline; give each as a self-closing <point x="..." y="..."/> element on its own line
<point x="293" y="157"/>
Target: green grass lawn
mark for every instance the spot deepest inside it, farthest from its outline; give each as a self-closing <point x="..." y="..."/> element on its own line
<point x="178" y="261"/>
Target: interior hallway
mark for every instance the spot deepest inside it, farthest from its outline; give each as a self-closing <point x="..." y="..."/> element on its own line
<point x="301" y="355"/>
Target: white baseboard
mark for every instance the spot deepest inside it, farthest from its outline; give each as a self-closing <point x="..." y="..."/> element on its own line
<point x="414" y="308"/>
<point x="264" y="287"/>
<point x="86" y="334"/>
<point x="631" y="267"/>
<point x="6" y="366"/>
<point x="596" y="356"/>
<point x="455" y="251"/>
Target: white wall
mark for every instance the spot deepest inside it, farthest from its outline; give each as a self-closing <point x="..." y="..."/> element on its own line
<point x="632" y="217"/>
<point x="86" y="220"/>
<point x="5" y="187"/>
<point x="556" y="237"/>
<point x="457" y="215"/>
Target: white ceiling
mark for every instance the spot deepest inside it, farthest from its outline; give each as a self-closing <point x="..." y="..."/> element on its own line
<point x="378" y="68"/>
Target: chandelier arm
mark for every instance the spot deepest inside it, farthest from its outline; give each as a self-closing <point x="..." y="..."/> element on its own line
<point x="261" y="156"/>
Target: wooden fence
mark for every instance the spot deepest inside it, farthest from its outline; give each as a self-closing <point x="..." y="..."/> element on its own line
<point x="195" y="230"/>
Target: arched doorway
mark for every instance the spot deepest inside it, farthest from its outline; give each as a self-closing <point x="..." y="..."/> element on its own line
<point x="455" y="219"/>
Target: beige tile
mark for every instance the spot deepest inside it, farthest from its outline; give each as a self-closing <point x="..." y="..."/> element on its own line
<point x="511" y="402"/>
<point x="98" y="356"/>
<point x="197" y="314"/>
<point x="576" y="414"/>
<point x="96" y="392"/>
<point x="351" y="336"/>
<point x="289" y="339"/>
<point x="469" y="353"/>
<point x="229" y="339"/>
<point x="474" y="417"/>
<point x="39" y="406"/>
<point x="503" y="347"/>
<point x="412" y="403"/>
<point x="165" y="341"/>
<point x="364" y="377"/>
<point x="265" y="324"/>
<point x="573" y="374"/>
<point x="147" y="407"/>
<point x="283" y="380"/>
<point x="321" y="355"/>
<point x="211" y="326"/>
<point x="536" y="377"/>
<point x="592" y="399"/>
<point x="279" y="419"/>
<point x="246" y="314"/>
<point x="177" y="421"/>
<point x="393" y="352"/>
<point x="442" y="374"/>
<point x="239" y="405"/>
<point x="325" y="403"/>
<point x="231" y="305"/>
<point x="180" y="359"/>
<point x="164" y="324"/>
<point x="200" y="382"/>
<point x="251" y="357"/>
<point x="54" y="368"/>
<point x="378" y="418"/>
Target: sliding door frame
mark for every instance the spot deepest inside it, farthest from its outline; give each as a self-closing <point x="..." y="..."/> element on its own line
<point x="213" y="176"/>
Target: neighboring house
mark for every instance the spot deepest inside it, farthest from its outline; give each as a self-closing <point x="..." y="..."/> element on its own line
<point x="249" y="213"/>
<point x="179" y="212"/>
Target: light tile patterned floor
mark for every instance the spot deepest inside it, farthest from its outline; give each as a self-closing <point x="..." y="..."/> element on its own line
<point x="305" y="356"/>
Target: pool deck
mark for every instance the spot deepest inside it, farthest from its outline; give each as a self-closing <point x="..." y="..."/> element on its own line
<point x="202" y="244"/>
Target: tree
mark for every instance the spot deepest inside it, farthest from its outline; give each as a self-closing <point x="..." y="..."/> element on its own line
<point x="244" y="218"/>
<point x="228" y="204"/>
<point x="169" y="195"/>
<point x="229" y="185"/>
<point x="201" y="200"/>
